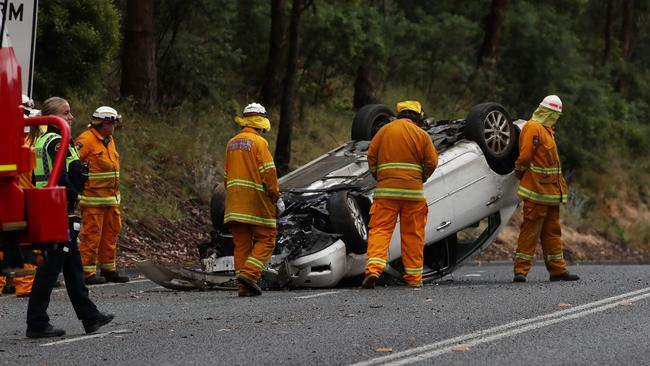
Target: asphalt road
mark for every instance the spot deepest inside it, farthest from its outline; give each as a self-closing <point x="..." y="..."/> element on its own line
<point x="478" y="317"/>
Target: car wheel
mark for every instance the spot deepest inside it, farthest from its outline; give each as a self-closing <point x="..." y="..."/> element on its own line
<point x="347" y="218"/>
<point x="218" y="206"/>
<point x="490" y="126"/>
<point x="369" y="119"/>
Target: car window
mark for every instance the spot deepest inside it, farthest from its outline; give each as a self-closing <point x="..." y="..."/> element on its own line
<point x="474" y="236"/>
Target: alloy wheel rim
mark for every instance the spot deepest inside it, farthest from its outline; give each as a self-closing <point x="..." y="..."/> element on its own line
<point x="359" y="223"/>
<point x="497" y="132"/>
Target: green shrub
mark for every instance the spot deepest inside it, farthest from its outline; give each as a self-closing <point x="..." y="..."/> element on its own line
<point x="75" y="45"/>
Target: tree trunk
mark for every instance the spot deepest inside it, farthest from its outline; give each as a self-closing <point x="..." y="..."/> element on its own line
<point x="139" y="53"/>
<point x="288" y="112"/>
<point x="364" y="84"/>
<point x="272" y="88"/>
<point x="626" y="43"/>
<point x="608" y="33"/>
<point x="488" y="54"/>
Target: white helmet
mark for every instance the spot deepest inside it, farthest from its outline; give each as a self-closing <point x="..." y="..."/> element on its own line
<point x="105" y="113"/>
<point x="28" y="108"/>
<point x="552" y="102"/>
<point x="254" y="109"/>
<point x="27" y="102"/>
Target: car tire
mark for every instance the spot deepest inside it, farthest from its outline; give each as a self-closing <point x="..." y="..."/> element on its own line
<point x="218" y="206"/>
<point x="369" y="119"/>
<point x="347" y="218"/>
<point x="490" y="126"/>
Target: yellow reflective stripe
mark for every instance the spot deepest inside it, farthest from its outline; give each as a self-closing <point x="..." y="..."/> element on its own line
<point x="376" y="260"/>
<point x="413" y="270"/>
<point x="89" y="269"/>
<point x="524" y="256"/>
<point x="265" y="167"/>
<point x="537" y="169"/>
<point x="407" y="166"/>
<point x="521" y="168"/>
<point x="539" y="197"/>
<point x="8" y="168"/>
<point x="554" y="257"/>
<point x="244" y="183"/>
<point x="113" y="174"/>
<point x="107" y="265"/>
<point x="255" y="262"/>
<point x="249" y="218"/>
<point x="98" y="201"/>
<point x="372" y="169"/>
<point x="398" y="193"/>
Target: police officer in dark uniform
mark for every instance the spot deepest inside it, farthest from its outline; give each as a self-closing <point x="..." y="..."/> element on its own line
<point x="63" y="256"/>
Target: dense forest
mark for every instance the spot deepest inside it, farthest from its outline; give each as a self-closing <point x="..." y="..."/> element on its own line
<point x="179" y="70"/>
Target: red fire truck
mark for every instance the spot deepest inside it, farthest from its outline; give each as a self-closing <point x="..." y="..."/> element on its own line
<point x="28" y="217"/>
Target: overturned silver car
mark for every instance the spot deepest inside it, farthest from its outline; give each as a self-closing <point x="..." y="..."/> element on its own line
<point x="322" y="235"/>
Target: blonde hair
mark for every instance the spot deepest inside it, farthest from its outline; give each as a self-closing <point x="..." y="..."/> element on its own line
<point x="52" y="106"/>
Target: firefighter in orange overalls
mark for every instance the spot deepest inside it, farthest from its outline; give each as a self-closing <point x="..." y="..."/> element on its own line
<point x="401" y="157"/>
<point x="252" y="198"/>
<point x="543" y="189"/>
<point x="100" y="201"/>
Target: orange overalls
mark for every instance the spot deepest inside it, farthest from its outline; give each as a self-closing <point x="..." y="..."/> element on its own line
<point x="100" y="202"/>
<point x="543" y="189"/>
<point x="251" y="193"/>
<point x="401" y="157"/>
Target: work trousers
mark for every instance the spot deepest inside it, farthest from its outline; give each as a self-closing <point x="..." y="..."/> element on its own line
<point x="64" y="257"/>
<point x="254" y="246"/>
<point x="98" y="238"/>
<point x="383" y="218"/>
<point x="541" y="223"/>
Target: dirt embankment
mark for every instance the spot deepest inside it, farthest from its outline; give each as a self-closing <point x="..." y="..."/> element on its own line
<point x="578" y="246"/>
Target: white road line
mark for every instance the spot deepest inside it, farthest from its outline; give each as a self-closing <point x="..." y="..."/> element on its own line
<point x="482" y="336"/>
<point x="512" y="332"/>
<point x="317" y="295"/>
<point x="83" y="338"/>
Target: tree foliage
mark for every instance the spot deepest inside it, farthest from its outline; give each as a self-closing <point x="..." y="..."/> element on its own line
<point x="75" y="45"/>
<point x="214" y="54"/>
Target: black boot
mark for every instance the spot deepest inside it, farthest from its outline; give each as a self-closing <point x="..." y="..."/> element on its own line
<point x="564" y="276"/>
<point x="9" y="289"/>
<point x="519" y="277"/>
<point x="252" y="289"/>
<point x="94" y="280"/>
<point x="48" y="331"/>
<point x="92" y="325"/>
<point x="113" y="276"/>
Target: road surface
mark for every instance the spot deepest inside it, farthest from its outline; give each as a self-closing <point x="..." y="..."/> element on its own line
<point x="477" y="317"/>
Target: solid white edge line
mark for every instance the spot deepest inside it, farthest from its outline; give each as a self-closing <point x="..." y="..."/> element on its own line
<point x="317" y="295"/>
<point x="83" y="338"/>
<point x="499" y="328"/>
<point x="509" y="333"/>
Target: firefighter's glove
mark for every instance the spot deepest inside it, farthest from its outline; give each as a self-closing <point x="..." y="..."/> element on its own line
<point x="279" y="207"/>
